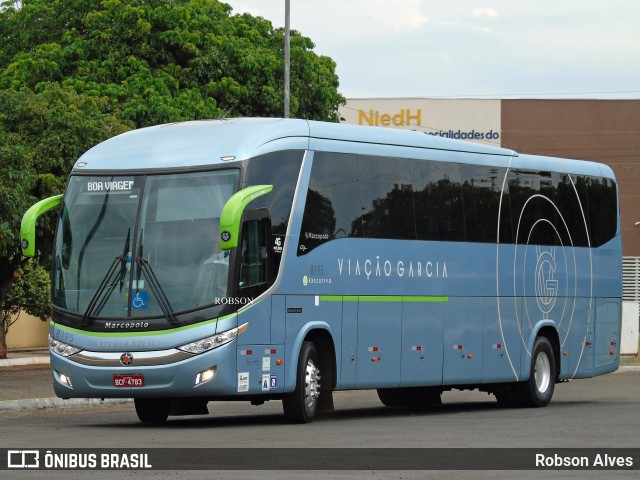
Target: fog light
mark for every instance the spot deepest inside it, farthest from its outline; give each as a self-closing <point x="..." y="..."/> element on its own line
<point x="63" y="379"/>
<point x="206" y="375"/>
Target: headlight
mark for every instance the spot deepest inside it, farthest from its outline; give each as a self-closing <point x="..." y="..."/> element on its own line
<point x="61" y="348"/>
<point x="214" y="341"/>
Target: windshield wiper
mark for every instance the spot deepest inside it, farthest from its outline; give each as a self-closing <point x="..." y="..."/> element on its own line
<point x="156" y="289"/>
<point x="125" y="261"/>
<point x="108" y="283"/>
<point x="113" y="277"/>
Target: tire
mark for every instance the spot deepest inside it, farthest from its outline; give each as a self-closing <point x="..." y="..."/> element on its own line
<point x="301" y="405"/>
<point x="538" y="390"/>
<point x="410" y="397"/>
<point x="152" y="410"/>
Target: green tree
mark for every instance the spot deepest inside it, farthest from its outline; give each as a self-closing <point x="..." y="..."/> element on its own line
<point x="16" y="183"/>
<point x="160" y="61"/>
<point x="76" y="72"/>
<point x="29" y="293"/>
<point x="41" y="135"/>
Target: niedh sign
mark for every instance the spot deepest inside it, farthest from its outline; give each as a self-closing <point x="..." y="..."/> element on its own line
<point x="475" y="120"/>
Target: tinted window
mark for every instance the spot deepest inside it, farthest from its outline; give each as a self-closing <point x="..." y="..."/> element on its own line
<point x="602" y="210"/>
<point x="332" y="209"/>
<point x="386" y="198"/>
<point x="253" y="256"/>
<point x="507" y="232"/>
<point x="438" y="201"/>
<point x="571" y="200"/>
<point x="380" y="197"/>
<point x="481" y="188"/>
<point x="280" y="169"/>
<point x="556" y="209"/>
<point x="532" y="208"/>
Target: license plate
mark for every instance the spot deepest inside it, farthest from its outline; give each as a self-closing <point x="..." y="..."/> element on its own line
<point x="128" y="380"/>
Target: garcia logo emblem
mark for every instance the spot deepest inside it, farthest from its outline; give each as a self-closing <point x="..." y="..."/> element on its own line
<point x="546" y="283"/>
<point x="126" y="359"/>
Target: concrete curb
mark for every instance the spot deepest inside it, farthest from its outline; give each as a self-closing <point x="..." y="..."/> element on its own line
<point x="12" y="362"/>
<point x="41" y="403"/>
<point x="628" y="368"/>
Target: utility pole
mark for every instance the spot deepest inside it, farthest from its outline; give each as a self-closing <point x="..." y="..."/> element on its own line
<point x="287" y="58"/>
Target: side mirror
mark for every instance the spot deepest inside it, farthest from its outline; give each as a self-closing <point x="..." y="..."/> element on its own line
<point x="28" y="226"/>
<point x="231" y="215"/>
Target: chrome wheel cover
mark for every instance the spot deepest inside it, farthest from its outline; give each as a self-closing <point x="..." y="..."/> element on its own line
<point x="312" y="385"/>
<point x="542" y="372"/>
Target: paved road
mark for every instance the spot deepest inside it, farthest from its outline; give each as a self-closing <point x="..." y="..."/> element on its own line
<point x="603" y="412"/>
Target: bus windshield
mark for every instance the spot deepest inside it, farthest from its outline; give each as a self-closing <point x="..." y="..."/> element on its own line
<point x="142" y="246"/>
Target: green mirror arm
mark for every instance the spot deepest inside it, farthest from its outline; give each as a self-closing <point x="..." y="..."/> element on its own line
<point x="28" y="226"/>
<point x="231" y="215"/>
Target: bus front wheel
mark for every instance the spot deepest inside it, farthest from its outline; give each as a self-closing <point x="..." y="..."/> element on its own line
<point x="301" y="405"/>
<point x="538" y="390"/>
<point x="152" y="410"/>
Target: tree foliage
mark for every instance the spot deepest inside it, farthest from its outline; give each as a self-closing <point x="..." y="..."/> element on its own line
<point x="41" y="135"/>
<point x="76" y="72"/>
<point x="159" y="61"/>
<point x="29" y="293"/>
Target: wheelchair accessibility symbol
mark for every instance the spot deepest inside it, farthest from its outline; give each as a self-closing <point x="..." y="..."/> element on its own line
<point x="139" y="300"/>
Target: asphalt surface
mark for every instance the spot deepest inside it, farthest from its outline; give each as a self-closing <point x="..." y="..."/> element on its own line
<point x="26" y="384"/>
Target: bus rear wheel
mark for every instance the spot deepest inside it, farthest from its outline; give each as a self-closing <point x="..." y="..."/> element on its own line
<point x="538" y="390"/>
<point x="152" y="410"/>
<point x="301" y="405"/>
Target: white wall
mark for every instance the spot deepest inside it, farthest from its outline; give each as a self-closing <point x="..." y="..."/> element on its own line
<point x="28" y="332"/>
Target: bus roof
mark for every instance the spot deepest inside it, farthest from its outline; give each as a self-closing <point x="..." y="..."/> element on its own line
<point x="201" y="143"/>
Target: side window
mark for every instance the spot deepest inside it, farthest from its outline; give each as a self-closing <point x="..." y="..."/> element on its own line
<point x="550" y="208"/>
<point x="254" y="257"/>
<point x="603" y="210"/>
<point x="332" y="209"/>
<point x="481" y="188"/>
<point x="437" y="193"/>
<point x="533" y="213"/>
<point x="280" y="169"/>
<point x="571" y="199"/>
<point x="504" y="208"/>
<point x="386" y="198"/>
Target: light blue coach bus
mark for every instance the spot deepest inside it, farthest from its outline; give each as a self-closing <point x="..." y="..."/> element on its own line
<point x="260" y="259"/>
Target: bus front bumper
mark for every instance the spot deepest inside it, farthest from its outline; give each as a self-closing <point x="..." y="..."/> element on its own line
<point x="167" y="374"/>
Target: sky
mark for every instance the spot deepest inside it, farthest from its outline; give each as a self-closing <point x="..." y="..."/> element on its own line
<point x="471" y="48"/>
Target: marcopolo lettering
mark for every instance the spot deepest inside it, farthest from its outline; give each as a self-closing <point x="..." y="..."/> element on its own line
<point x="125" y="325"/>
<point x="403" y="118"/>
<point x="316" y="236"/>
